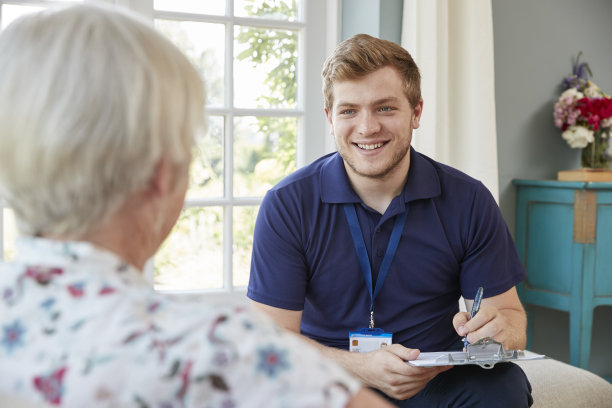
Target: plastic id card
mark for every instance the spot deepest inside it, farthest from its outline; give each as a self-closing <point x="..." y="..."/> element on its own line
<point x="366" y="340"/>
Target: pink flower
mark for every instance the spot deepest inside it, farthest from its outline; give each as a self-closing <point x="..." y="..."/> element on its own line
<point x="566" y="113"/>
<point x="42" y="274"/>
<point x="51" y="386"/>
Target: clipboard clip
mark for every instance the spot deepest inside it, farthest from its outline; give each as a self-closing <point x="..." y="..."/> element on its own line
<point x="484" y="352"/>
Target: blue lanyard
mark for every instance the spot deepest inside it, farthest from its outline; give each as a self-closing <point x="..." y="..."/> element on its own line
<point x="362" y="253"/>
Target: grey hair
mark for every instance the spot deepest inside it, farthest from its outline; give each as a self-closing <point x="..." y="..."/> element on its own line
<point x="91" y="98"/>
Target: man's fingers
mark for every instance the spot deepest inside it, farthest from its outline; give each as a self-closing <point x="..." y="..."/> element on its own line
<point x="460" y="319"/>
<point x="402" y="352"/>
<point x="480" y="319"/>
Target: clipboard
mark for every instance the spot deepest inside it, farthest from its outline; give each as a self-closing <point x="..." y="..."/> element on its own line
<point x="485" y="352"/>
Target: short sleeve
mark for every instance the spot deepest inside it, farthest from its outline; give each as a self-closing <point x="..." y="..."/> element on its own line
<point x="490" y="258"/>
<point x="279" y="273"/>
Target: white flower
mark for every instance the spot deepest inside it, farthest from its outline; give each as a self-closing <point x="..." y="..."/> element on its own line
<point x="592" y="90"/>
<point x="578" y="137"/>
<point x="607" y="122"/>
<point x="572" y="93"/>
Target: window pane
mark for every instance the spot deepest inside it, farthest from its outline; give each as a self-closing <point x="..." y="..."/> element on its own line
<point x="264" y="152"/>
<point x="192" y="256"/>
<point x="272" y="9"/>
<point x="207" y="166"/>
<point x="244" y="224"/>
<point x="11" y="12"/>
<point x="204" y="44"/>
<point x="9" y="233"/>
<point x="190" y="6"/>
<point x="265" y="68"/>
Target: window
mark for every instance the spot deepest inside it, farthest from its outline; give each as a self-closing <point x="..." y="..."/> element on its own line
<point x="261" y="61"/>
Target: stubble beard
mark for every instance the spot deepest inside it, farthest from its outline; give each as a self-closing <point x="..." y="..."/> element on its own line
<point x="396" y="159"/>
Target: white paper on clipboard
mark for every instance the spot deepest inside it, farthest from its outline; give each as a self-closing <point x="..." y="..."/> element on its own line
<point x="485" y="353"/>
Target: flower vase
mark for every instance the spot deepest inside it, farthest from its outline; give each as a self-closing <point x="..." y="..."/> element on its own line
<point x="596" y="155"/>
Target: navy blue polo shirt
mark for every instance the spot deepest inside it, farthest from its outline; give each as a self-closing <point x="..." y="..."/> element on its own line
<point x="454" y="241"/>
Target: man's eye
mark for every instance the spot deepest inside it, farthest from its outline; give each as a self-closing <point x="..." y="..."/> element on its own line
<point x="347" y="112"/>
<point x="385" y="109"/>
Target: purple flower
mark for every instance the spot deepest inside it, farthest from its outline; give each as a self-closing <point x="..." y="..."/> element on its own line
<point x="580" y="75"/>
<point x="272" y="361"/>
<point x="221" y="358"/>
<point x="13" y="336"/>
<point x="228" y="403"/>
<point x="7" y="294"/>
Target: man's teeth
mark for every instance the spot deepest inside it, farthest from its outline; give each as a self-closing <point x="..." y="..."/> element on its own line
<point x="369" y="146"/>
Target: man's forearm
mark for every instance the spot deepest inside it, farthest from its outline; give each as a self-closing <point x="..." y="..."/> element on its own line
<point x="515" y="333"/>
<point x="351" y="362"/>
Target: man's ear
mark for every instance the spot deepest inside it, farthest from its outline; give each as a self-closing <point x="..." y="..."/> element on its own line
<point x="416" y="115"/>
<point x="329" y="120"/>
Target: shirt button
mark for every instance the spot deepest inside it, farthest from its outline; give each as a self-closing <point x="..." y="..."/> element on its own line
<point x="379" y="252"/>
<point x="378" y="230"/>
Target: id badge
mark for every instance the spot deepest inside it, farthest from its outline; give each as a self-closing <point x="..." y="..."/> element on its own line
<point x="366" y="340"/>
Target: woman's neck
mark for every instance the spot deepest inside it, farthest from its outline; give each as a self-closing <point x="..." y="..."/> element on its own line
<point x="125" y="233"/>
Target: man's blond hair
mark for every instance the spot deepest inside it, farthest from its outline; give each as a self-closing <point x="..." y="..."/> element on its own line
<point x="363" y="54"/>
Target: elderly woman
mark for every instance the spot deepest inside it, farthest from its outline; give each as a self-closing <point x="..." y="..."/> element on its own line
<point x="98" y="116"/>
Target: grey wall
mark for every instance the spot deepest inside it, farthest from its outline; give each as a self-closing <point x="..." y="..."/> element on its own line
<point x="378" y="18"/>
<point x="535" y="41"/>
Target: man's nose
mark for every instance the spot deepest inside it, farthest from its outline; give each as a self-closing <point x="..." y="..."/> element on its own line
<point x="368" y="124"/>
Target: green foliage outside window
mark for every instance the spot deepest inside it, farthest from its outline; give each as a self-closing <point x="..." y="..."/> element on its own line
<point x="264" y="151"/>
<point x="274" y="45"/>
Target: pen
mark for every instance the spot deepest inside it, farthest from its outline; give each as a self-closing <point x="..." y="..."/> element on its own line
<point x="475" y="309"/>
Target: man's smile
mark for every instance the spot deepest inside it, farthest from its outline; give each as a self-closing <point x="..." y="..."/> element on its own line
<point x="369" y="146"/>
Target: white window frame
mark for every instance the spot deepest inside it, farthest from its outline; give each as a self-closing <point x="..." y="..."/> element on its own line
<point x="319" y="32"/>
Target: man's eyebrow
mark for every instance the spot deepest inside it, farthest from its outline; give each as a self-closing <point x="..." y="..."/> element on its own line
<point x="381" y="101"/>
<point x="346" y="105"/>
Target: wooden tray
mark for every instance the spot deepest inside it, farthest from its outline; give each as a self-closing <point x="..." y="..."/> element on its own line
<point x="597" y="175"/>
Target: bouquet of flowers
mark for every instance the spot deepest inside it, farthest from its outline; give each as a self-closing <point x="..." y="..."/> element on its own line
<point x="584" y="113"/>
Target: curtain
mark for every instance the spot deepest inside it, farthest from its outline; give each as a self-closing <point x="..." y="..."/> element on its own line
<point x="452" y="43"/>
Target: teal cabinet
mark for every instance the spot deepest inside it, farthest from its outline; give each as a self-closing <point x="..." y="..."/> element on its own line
<point x="564" y="238"/>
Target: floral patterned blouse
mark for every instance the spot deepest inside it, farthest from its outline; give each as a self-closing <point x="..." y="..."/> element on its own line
<point x="81" y="328"/>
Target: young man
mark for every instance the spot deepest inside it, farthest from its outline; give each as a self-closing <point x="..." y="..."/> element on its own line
<point x="380" y="235"/>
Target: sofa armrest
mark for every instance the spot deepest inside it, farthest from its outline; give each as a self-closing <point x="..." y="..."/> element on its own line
<point x="557" y="384"/>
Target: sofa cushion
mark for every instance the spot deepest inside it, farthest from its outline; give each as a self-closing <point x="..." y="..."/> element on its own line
<point x="557" y="384"/>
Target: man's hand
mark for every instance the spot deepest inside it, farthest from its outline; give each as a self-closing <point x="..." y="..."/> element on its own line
<point x="501" y="317"/>
<point x="387" y="370"/>
<point x="488" y="322"/>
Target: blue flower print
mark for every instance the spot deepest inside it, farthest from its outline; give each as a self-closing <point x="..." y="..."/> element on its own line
<point x="272" y="361"/>
<point x="13" y="336"/>
<point x="48" y="303"/>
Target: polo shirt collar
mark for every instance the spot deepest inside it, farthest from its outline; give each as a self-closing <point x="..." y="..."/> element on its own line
<point x="423" y="181"/>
